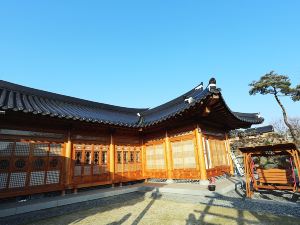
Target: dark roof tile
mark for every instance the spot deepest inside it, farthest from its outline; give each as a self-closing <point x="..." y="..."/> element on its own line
<point x="20" y="98"/>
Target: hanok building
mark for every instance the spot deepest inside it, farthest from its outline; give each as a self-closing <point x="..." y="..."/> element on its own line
<point x="51" y="142"/>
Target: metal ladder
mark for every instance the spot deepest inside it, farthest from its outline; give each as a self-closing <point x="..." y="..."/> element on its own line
<point x="238" y="166"/>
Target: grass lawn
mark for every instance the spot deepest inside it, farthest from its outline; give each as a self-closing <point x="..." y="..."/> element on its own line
<point x="164" y="212"/>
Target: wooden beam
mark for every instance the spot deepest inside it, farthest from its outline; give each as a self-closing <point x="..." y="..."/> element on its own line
<point x="200" y="148"/>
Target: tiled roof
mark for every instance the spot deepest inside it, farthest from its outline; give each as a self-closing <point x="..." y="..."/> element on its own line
<point x="28" y="100"/>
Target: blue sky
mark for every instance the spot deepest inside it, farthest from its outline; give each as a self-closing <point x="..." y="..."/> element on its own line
<point x="144" y="53"/>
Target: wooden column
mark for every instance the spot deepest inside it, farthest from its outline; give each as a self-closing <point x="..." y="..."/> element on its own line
<point x="68" y="161"/>
<point x="200" y="148"/>
<point x="143" y="158"/>
<point x="229" y="155"/>
<point x="112" y="158"/>
<point x="247" y="174"/>
<point x="168" y="156"/>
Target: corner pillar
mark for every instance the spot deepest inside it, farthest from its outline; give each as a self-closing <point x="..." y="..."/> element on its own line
<point x="200" y="148"/>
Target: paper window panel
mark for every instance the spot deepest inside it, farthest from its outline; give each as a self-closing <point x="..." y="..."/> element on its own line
<point x="160" y="150"/>
<point x="87" y="170"/>
<point x="77" y="171"/>
<point x="53" y="177"/>
<point x="17" y="180"/>
<point x="177" y="155"/>
<point x="37" y="178"/>
<point x="160" y="158"/>
<point x="149" y="164"/>
<point x="189" y="162"/>
<point x="149" y="156"/>
<point x="6" y="148"/>
<point x="149" y="151"/>
<point x="22" y="149"/>
<point x="160" y="164"/>
<point x="3" y="180"/>
<point x="189" y="154"/>
<point x="40" y="149"/>
<point x="55" y="150"/>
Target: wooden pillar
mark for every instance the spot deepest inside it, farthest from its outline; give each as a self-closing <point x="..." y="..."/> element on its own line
<point x="197" y="154"/>
<point x="247" y="173"/>
<point x="168" y="156"/>
<point x="68" y="161"/>
<point x="229" y="155"/>
<point x="112" y="158"/>
<point x="200" y="148"/>
<point x="143" y="158"/>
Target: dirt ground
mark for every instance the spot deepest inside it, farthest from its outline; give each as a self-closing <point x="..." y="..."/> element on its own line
<point x="163" y="212"/>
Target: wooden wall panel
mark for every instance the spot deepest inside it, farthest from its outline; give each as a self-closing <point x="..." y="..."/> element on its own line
<point x="184" y="153"/>
<point x="29" y="167"/>
<point x="216" y="155"/>
<point x="155" y="159"/>
<point x="90" y="163"/>
<point x="128" y="157"/>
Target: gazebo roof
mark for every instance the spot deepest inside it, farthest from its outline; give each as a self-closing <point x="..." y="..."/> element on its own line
<point x="14" y="97"/>
<point x="266" y="148"/>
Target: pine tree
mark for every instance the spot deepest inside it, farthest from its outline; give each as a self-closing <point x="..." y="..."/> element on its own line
<point x="277" y="85"/>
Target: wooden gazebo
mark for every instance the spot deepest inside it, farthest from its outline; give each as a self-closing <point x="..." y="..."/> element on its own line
<point x="275" y="178"/>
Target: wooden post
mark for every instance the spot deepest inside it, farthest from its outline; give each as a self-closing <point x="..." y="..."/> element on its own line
<point x="168" y="156"/>
<point x="197" y="154"/>
<point x="143" y="158"/>
<point x="200" y="148"/>
<point x="112" y="159"/>
<point x="247" y="173"/>
<point x="68" y="161"/>
<point x="229" y="155"/>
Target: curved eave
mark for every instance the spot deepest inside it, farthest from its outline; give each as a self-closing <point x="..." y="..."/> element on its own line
<point x="241" y="119"/>
<point x="22" y="100"/>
